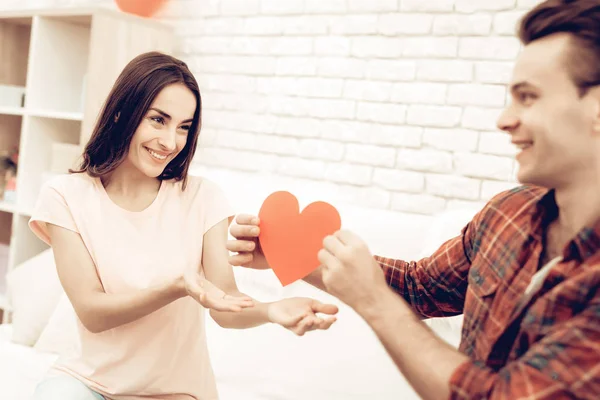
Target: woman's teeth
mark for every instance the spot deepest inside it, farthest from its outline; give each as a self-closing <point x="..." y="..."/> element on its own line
<point x="156" y="155"/>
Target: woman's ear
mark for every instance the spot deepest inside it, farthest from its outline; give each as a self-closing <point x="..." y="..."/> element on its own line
<point x="117" y="115"/>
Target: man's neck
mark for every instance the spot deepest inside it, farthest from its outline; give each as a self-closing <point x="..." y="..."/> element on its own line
<point x="578" y="207"/>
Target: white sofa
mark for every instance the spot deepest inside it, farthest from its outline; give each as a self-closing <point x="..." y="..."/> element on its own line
<point x="268" y="363"/>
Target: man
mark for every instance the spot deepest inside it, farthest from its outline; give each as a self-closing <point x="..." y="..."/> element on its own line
<point x="526" y="270"/>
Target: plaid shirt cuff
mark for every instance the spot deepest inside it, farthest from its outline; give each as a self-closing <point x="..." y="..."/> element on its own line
<point x="392" y="269"/>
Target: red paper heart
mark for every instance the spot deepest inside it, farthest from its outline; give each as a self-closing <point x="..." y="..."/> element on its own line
<point x="291" y="240"/>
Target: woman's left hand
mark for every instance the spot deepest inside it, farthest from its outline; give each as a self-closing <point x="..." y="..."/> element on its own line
<point x="299" y="314"/>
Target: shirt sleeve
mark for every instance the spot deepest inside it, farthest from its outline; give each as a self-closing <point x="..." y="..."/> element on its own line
<point x="562" y="365"/>
<point x="216" y="204"/>
<point x="51" y="208"/>
<point x="436" y="286"/>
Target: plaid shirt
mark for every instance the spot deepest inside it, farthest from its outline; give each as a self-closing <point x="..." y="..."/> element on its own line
<point x="544" y="348"/>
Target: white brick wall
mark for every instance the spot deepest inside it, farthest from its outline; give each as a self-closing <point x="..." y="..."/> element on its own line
<point x="379" y="103"/>
<point x="389" y="103"/>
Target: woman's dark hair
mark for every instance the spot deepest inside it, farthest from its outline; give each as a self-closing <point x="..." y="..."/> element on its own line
<point x="580" y="19"/>
<point x="135" y="89"/>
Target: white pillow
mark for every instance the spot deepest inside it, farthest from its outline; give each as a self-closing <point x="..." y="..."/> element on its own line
<point x="444" y="227"/>
<point x="347" y="362"/>
<point x="261" y="285"/>
<point x="60" y="336"/>
<point x="34" y="291"/>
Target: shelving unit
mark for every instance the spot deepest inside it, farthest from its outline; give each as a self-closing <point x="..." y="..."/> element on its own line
<point x="12" y="111"/>
<point x="67" y="60"/>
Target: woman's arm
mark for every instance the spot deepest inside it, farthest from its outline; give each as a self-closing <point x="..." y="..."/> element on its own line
<point x="218" y="271"/>
<point x="97" y="310"/>
<point x="297" y="314"/>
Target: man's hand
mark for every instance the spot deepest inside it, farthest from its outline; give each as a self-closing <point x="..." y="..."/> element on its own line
<point x="349" y="271"/>
<point x="298" y="314"/>
<point x="210" y="296"/>
<point x="249" y="254"/>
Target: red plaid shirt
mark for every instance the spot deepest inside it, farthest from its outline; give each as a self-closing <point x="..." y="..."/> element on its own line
<point x="546" y="348"/>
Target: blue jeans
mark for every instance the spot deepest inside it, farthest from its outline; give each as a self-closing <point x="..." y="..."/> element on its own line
<point x="64" y="388"/>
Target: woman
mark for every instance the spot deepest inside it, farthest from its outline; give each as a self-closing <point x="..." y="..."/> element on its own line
<point x="138" y="244"/>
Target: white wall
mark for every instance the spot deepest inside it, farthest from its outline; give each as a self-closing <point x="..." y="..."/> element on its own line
<point x="380" y="103"/>
<point x="386" y="104"/>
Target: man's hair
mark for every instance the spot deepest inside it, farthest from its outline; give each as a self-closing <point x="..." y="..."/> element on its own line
<point x="580" y="19"/>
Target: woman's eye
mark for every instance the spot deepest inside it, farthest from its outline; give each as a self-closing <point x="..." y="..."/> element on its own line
<point x="159" y="120"/>
<point x="185" y="128"/>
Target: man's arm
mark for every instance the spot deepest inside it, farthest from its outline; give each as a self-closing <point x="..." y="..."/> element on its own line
<point x="563" y="365"/>
<point x="434" y="286"/>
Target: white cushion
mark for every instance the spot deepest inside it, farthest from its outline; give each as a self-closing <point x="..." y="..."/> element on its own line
<point x="347" y="362"/>
<point x="21" y="367"/>
<point x="34" y="290"/>
<point x="60" y="336"/>
<point x="444" y="227"/>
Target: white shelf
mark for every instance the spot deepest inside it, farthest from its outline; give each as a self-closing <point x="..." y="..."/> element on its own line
<point x="15" y="209"/>
<point x="70" y="116"/>
<point x="12" y="110"/>
<point x="20" y="111"/>
<point x="26" y="212"/>
<point x="67" y="60"/>
<point x="8" y="207"/>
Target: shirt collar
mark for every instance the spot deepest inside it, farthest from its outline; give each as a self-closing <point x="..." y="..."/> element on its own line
<point x="583" y="246"/>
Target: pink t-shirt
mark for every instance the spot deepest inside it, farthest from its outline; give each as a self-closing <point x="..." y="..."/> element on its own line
<point x="162" y="355"/>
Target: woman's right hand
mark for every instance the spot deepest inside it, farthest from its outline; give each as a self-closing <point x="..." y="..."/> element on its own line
<point x="210" y="296"/>
<point x="246" y="244"/>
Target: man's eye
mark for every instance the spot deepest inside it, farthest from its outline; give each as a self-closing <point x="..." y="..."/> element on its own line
<point x="527" y="97"/>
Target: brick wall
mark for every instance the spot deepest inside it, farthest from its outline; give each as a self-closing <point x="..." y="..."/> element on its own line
<point x="387" y="103"/>
<point x="392" y="104"/>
